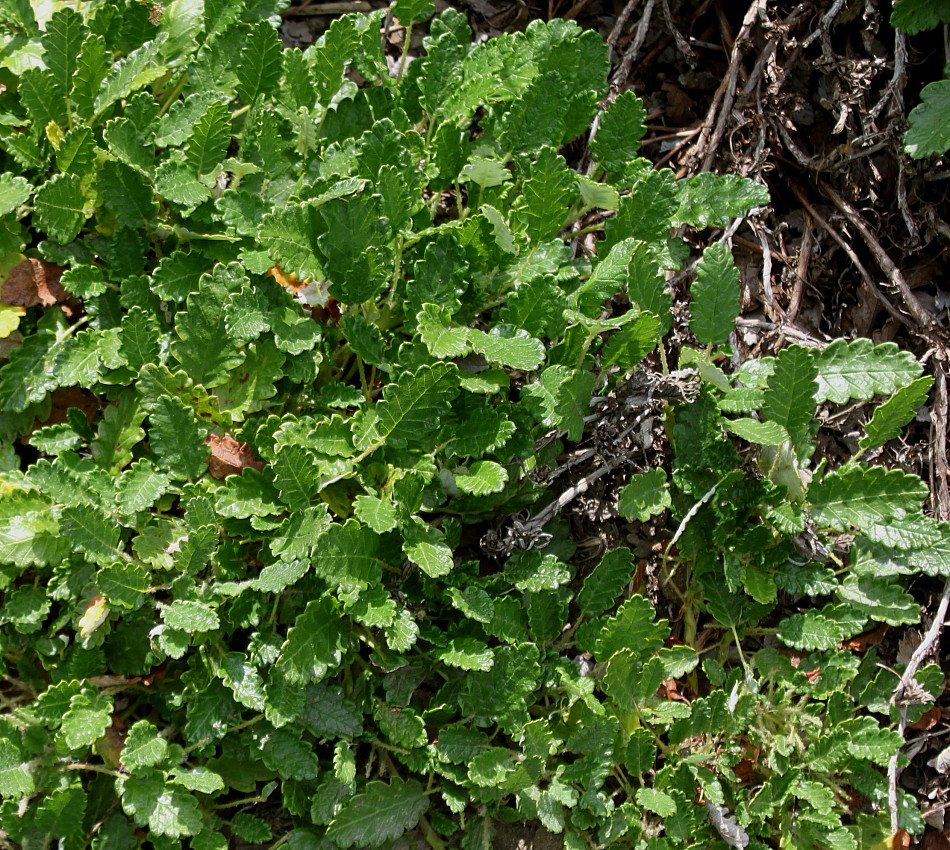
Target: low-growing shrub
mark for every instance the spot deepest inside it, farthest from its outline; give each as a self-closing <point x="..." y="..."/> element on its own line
<point x="295" y="346"/>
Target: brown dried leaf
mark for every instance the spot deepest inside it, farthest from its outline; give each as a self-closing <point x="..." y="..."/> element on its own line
<point x="861" y="642"/>
<point x="930" y="718"/>
<point x="33" y="282"/>
<point x="900" y="840"/>
<point x="229" y="457"/>
<point x="289" y="281"/>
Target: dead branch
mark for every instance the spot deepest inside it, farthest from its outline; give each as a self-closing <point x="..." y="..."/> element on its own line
<point x="921" y="315"/>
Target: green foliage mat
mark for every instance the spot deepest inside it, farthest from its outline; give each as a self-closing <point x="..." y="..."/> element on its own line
<point x="280" y="349"/>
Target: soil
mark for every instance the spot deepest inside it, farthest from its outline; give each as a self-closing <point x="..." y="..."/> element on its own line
<point x="810" y="99"/>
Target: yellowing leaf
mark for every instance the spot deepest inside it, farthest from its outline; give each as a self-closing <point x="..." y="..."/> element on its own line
<point x="10" y="319"/>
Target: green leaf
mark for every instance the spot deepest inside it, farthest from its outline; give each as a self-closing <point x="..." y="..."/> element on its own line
<point x="632" y="342"/>
<point x="20" y="14"/>
<point x="879" y="598"/>
<point x="209" y="141"/>
<point x="178" y="274"/>
<point x="348" y="557"/>
<point x="819" y="628"/>
<point x="55" y="439"/>
<point x="364" y="338"/>
<point x="26" y="607"/>
<point x="314" y="644"/>
<point x="656" y="801"/>
<point x="123" y="584"/>
<point x="16" y="779"/>
<point x="425" y="546"/>
<point x="537" y="117"/>
<point x="754" y="431"/>
<point x="629" y="678"/>
<point x="490" y="768"/>
<point x="166" y="808"/>
<point x="83" y="356"/>
<point x="889" y="418"/>
<point x="535" y="307"/>
<point x="864" y="497"/>
<point x="177" y="439"/>
<point x="190" y="616"/>
<point x="382" y="813"/>
<point x="536" y="572"/>
<point x="143" y="747"/>
<point x="410" y="407"/>
<point x="678" y="660"/>
<point x="618" y="136"/>
<point x="140" y="338"/>
<point x="467" y="653"/>
<point x="242" y="680"/>
<point x="473" y="602"/>
<point x="354" y="247"/>
<point x="634" y="628"/>
<point x="646" y="213"/>
<point x="259" y="68"/>
<point x="914" y="16"/>
<point x="128" y="194"/>
<point x="59" y="208"/>
<point x="65" y="32"/>
<point x="91" y="69"/>
<point x="486" y="429"/>
<point x="561" y="398"/>
<point x="28" y="374"/>
<point x="715" y="296"/>
<point x="88" y="717"/>
<point x="137" y="69"/>
<point x="289" y="235"/>
<point x="301" y="532"/>
<point x="859" y="369"/>
<point x="182" y="21"/>
<point x="409" y="11"/>
<point x="90" y="531"/>
<point x="644" y="495"/>
<point x="712" y="200"/>
<point x="284" y="751"/>
<point x="548" y="192"/>
<point x="38" y="94"/>
<point x="483" y="477"/>
<point x="484" y="172"/>
<point x="599" y="195"/>
<point x="790" y="395"/>
<point x="83" y="281"/>
<point x="297" y="475"/>
<point x="606" y="581"/>
<point x="14" y="191"/>
<point x="441" y="337"/>
<point x="199" y="779"/>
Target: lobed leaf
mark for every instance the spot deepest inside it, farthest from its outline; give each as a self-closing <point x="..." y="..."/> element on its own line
<point x="383" y="812"/>
<point x="859" y="369"/>
<point x="890" y="417"/>
<point x="864" y="497"/>
<point x="715" y="296"/>
<point x="409" y="407"/>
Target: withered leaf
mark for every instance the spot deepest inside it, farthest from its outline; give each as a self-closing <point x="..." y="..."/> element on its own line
<point x="229" y="457"/>
<point x="33" y="282"/>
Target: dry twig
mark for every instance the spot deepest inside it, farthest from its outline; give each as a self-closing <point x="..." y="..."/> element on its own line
<point x="921" y="315"/>
<point x="873" y="288"/>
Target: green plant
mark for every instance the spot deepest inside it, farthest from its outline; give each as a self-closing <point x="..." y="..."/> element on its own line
<point x="929" y="131"/>
<point x="314" y="354"/>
